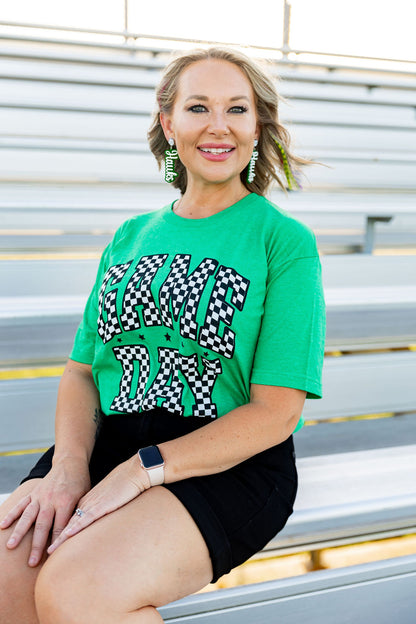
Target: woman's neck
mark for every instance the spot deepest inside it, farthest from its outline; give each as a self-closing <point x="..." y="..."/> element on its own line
<point x="202" y="203"/>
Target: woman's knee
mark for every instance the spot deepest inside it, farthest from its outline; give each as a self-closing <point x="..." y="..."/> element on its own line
<point x="17" y="579"/>
<point x="17" y="582"/>
<point x="68" y="591"/>
<point x="58" y="598"/>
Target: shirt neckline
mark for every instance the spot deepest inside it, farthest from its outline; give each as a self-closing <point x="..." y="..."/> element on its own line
<point x="215" y="218"/>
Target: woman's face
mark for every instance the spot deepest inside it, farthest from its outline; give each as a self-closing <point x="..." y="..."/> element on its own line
<point x="213" y="122"/>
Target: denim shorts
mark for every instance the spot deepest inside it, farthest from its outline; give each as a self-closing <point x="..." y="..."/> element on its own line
<point x="238" y="511"/>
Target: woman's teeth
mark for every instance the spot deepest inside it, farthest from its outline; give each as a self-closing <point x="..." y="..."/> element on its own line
<point x="212" y="150"/>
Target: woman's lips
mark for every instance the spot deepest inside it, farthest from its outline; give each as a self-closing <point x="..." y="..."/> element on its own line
<point x="216" y="153"/>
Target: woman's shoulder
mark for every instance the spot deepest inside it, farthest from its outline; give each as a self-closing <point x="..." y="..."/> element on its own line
<point x="284" y="229"/>
<point x="130" y="227"/>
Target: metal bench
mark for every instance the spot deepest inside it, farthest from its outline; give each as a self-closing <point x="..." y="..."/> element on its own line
<point x="354" y="385"/>
<point x="96" y="209"/>
<point x="379" y="592"/>
<point x="373" y="592"/>
<point x="78" y="119"/>
<point x="348" y="498"/>
<point x="371" y="303"/>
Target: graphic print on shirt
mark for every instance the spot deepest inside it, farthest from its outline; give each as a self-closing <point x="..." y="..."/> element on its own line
<point x="128" y="355"/>
<point x="220" y="311"/>
<point x="178" y="289"/>
<point x="138" y="293"/>
<point x="107" y="329"/>
<point x="179" y="299"/>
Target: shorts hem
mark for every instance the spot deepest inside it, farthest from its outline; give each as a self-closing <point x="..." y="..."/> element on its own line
<point x="207" y="522"/>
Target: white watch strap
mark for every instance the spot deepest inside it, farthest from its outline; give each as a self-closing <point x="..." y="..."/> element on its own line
<point x="156" y="475"/>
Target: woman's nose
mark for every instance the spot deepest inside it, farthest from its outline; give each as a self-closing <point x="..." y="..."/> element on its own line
<point x="218" y="124"/>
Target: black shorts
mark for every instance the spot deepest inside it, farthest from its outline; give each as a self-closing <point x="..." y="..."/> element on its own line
<point x="237" y="511"/>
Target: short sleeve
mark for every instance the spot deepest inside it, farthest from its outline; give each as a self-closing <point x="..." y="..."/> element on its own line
<point x="290" y="348"/>
<point x="83" y="349"/>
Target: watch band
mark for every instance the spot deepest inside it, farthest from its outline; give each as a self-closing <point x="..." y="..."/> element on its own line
<point x="156" y="475"/>
<point x="151" y="460"/>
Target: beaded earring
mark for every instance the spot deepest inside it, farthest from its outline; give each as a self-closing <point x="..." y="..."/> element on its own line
<point x="170" y="157"/>
<point x="252" y="164"/>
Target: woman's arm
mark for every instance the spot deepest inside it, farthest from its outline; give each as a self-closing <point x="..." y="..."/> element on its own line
<point x="52" y="501"/>
<point x="269" y="418"/>
<point x="78" y="413"/>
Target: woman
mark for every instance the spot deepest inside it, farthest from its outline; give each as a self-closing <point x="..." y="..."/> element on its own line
<point x="201" y="339"/>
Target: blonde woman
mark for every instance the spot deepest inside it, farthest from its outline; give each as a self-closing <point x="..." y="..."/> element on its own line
<point x="174" y="459"/>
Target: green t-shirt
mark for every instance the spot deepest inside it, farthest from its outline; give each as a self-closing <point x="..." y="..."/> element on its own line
<point x="186" y="313"/>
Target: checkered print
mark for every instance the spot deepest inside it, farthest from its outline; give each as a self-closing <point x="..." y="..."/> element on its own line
<point x="134" y="296"/>
<point x="220" y="311"/>
<point x="111" y="327"/>
<point x="201" y="386"/>
<point x="127" y="355"/>
<point x="179" y="288"/>
<point x="160" y="388"/>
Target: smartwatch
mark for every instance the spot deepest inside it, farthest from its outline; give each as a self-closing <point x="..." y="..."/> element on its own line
<point x="152" y="461"/>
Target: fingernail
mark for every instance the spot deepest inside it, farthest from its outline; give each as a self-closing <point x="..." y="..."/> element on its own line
<point x="32" y="561"/>
<point x="11" y="542"/>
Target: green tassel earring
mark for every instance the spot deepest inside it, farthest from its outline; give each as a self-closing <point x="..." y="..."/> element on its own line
<point x="252" y="164"/>
<point x="170" y="157"/>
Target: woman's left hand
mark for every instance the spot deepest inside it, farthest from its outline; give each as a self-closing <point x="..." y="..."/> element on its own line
<point x="120" y="486"/>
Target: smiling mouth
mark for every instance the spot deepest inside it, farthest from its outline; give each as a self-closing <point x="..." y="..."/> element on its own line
<point x="214" y="150"/>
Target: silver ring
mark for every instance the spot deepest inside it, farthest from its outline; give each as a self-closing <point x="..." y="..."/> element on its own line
<point x="79" y="512"/>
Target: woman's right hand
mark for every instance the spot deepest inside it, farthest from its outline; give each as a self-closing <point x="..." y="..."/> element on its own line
<point x="49" y="506"/>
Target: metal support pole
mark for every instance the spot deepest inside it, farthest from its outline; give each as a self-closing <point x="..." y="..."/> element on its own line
<point x="126" y="20"/>
<point x="286" y="30"/>
<point x="370" y="231"/>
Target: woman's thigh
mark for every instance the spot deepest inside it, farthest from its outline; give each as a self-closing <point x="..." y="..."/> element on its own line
<point x="17" y="579"/>
<point x="149" y="552"/>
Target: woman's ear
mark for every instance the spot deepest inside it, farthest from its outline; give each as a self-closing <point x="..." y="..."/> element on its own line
<point x="166" y="123"/>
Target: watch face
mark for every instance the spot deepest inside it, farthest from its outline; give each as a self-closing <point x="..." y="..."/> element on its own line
<point x="151" y="457"/>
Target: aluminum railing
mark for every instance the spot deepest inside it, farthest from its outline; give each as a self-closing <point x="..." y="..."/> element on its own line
<point x="131" y="41"/>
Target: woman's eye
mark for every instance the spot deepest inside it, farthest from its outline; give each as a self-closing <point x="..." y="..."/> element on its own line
<point x="197" y="108"/>
<point x="238" y="109"/>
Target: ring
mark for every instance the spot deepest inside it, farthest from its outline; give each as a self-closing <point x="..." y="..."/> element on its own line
<point x="79" y="512"/>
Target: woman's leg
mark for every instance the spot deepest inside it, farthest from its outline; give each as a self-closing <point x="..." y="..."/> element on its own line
<point x="144" y="555"/>
<point x="17" y="579"/>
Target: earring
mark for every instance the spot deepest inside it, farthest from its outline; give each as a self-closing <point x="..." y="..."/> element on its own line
<point x="170" y="157"/>
<point x="252" y="164"/>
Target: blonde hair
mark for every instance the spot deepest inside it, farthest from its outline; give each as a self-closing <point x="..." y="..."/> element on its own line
<point x="275" y="161"/>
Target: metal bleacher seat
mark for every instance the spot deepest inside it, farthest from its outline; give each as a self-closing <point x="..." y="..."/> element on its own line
<point x="77" y="122"/>
<point x="76" y="160"/>
<point x="371" y="303"/>
<point x="380" y="592"/>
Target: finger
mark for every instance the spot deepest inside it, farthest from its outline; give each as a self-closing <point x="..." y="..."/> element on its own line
<point x="74" y="526"/>
<point x="62" y="518"/>
<point x="15" y="512"/>
<point x="23" y="525"/>
<point x="41" y="532"/>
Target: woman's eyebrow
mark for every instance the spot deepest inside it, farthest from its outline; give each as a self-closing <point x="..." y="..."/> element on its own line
<point x="205" y="98"/>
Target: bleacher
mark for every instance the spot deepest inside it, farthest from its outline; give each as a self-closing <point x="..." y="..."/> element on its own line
<point x="75" y="119"/>
<point x="75" y="164"/>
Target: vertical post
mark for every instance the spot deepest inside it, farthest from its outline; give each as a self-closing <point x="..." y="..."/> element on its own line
<point x="126" y="19"/>
<point x="370" y="231"/>
<point x="286" y="29"/>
